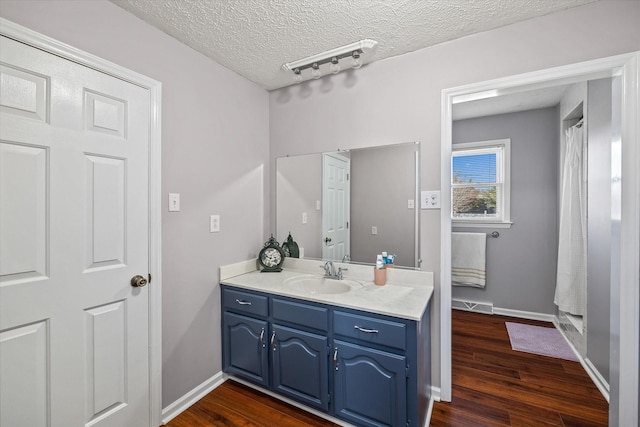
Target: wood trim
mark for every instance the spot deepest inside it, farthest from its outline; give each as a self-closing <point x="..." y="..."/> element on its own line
<point x="48" y="44"/>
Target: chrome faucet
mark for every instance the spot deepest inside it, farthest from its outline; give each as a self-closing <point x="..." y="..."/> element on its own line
<point x="330" y="271"/>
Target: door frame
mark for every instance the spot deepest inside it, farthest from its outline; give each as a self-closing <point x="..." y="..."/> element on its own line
<point x="626" y="300"/>
<point x="47" y="44"/>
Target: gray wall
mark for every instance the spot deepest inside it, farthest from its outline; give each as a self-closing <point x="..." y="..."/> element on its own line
<point x="218" y="164"/>
<point x="521" y="263"/>
<point x="399" y="99"/>
<point x="299" y="186"/>
<point x="599" y="224"/>
<point x="387" y="174"/>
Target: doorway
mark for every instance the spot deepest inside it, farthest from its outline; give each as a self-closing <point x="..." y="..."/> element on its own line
<point x="625" y="232"/>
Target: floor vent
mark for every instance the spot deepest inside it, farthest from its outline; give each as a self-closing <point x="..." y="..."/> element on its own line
<point x="479" y="307"/>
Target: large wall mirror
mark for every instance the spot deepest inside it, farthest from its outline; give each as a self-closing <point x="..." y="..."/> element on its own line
<point x="351" y="205"/>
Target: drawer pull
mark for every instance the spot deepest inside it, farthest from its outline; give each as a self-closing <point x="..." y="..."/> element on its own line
<point x="273" y="340"/>
<point x="335" y="358"/>
<point x="262" y="338"/>
<point x="243" y="302"/>
<point x="366" y="331"/>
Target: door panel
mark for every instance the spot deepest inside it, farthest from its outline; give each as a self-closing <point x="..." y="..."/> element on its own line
<point x="370" y="386"/>
<point x="30" y="373"/>
<point x="23" y="212"/>
<point x="335" y="206"/>
<point x="300" y="366"/>
<point x="74" y="146"/>
<point x="246" y="351"/>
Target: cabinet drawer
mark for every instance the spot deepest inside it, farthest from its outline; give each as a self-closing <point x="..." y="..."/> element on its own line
<point x="300" y="314"/>
<point x="244" y="302"/>
<point x="370" y="329"/>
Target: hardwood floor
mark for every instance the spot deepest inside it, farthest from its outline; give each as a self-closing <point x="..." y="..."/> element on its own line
<point x="492" y="386"/>
<point x="234" y="404"/>
<point x="496" y="386"/>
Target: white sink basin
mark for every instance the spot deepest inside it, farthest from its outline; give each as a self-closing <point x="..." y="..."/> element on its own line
<point x="321" y="285"/>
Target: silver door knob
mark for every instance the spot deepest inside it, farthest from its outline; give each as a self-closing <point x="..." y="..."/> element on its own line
<point x="138" y="281"/>
<point x="327" y="239"/>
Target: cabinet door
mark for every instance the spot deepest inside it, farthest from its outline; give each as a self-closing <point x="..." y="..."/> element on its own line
<point x="370" y="385"/>
<point x="300" y="366"/>
<point x="245" y="353"/>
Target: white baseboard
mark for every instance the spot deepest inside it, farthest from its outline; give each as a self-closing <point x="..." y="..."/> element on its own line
<point x="427" y="419"/>
<point x="596" y="377"/>
<point x="435" y="393"/>
<point x="191" y="397"/>
<point x="531" y="315"/>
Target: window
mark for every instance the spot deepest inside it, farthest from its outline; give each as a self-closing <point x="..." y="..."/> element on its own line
<point x="480" y="175"/>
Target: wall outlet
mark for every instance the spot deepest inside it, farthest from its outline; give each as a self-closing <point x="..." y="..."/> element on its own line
<point x="411" y="204"/>
<point x="174" y="202"/>
<point x="304" y="217"/>
<point x="374" y="230"/>
<point x="214" y="223"/>
<point x="317" y="205"/>
<point x="430" y="199"/>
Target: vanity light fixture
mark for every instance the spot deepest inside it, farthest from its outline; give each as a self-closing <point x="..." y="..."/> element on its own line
<point x="355" y="51"/>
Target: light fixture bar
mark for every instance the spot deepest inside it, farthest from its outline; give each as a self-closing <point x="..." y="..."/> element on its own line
<point x="342" y="52"/>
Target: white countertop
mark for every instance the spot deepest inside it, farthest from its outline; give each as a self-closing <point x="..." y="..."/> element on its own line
<point x="406" y="294"/>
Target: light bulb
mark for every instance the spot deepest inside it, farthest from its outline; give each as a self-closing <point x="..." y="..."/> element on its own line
<point x="335" y="67"/>
<point x="297" y="75"/>
<point x="357" y="62"/>
<point x="315" y="71"/>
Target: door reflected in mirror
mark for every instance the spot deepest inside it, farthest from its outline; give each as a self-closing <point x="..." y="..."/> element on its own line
<point x="351" y="205"/>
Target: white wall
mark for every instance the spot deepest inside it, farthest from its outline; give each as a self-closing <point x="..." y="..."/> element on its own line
<point x="215" y="153"/>
<point x="398" y="99"/>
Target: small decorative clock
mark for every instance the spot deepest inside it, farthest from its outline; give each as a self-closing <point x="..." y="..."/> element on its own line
<point x="271" y="256"/>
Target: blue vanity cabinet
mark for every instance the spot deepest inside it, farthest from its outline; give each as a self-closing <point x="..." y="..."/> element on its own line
<point x="365" y="368"/>
<point x="245" y="332"/>
<point x="370" y="369"/>
<point x="370" y="385"/>
<point x="299" y="351"/>
<point x="245" y="350"/>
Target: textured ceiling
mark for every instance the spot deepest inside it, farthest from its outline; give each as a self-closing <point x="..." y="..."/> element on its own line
<point x="255" y="37"/>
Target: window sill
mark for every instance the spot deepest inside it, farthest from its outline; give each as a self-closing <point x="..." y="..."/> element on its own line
<point x="477" y="224"/>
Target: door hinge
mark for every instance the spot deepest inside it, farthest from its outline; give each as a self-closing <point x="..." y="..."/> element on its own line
<point x="406" y="371"/>
<point x="329" y="398"/>
<point x="347" y="225"/>
<point x="149" y="281"/>
<point x="347" y="177"/>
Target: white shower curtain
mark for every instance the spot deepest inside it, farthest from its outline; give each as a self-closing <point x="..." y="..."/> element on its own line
<point x="571" y="284"/>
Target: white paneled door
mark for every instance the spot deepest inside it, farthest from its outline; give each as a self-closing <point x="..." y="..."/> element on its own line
<point x="335" y="206"/>
<point x="74" y="332"/>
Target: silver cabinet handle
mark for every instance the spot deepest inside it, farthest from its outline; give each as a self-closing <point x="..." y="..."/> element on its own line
<point x="273" y="340"/>
<point x="243" y="302"/>
<point x="366" y="331"/>
<point x="262" y="338"/>
<point x="335" y="358"/>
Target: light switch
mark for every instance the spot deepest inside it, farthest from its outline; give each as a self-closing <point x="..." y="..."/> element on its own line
<point x="174" y="202"/>
<point x="214" y="223"/>
<point x="411" y="204"/>
<point x="317" y="205"/>
<point x="374" y="230"/>
<point x="430" y="199"/>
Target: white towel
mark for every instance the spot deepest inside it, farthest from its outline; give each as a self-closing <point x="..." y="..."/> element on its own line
<point x="468" y="259"/>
